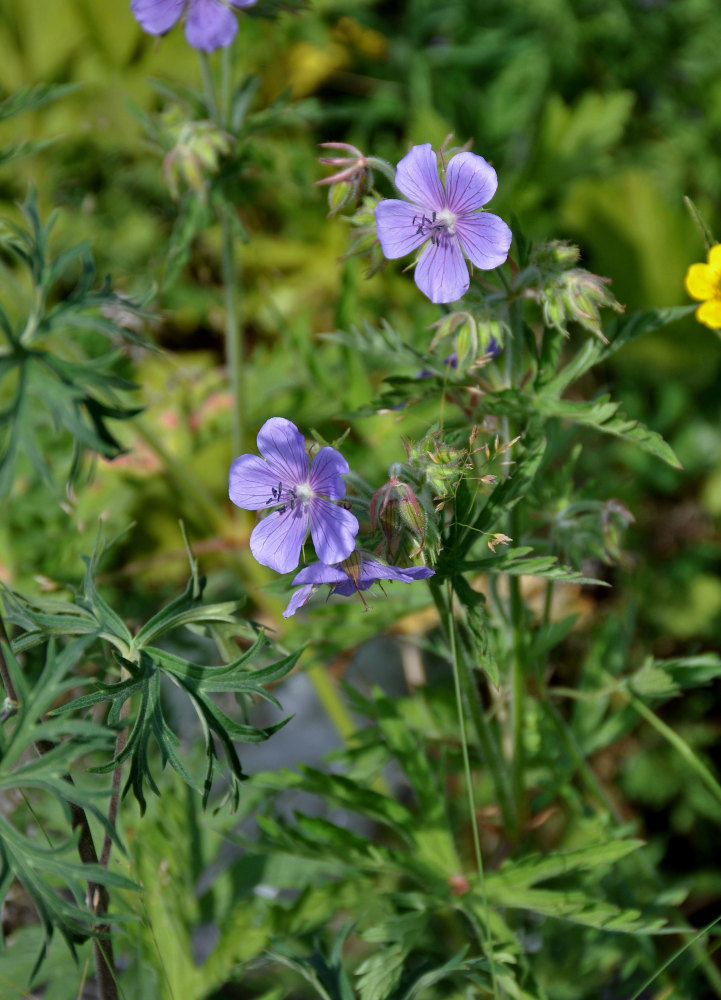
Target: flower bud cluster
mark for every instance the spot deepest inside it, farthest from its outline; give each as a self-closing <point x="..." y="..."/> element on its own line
<point x="565" y="292"/>
<point x="477" y="336"/>
<point x="197" y="148"/>
<point x="394" y="507"/>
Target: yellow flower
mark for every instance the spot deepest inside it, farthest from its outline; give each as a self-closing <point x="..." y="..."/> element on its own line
<point x="703" y="282"/>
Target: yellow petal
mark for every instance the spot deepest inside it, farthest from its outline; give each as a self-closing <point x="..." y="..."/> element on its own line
<point x="702" y="281"/>
<point x="714" y="257"/>
<point x="710" y="314"/>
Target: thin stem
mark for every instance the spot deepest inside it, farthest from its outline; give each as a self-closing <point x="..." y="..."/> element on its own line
<point x="209" y="87"/>
<point x="514" y="345"/>
<point x="225" y="85"/>
<point x="449" y="628"/>
<point x="234" y="347"/>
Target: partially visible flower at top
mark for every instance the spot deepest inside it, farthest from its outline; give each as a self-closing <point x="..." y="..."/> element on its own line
<point x="209" y="24"/>
<point x="447" y="219"/>
<point x="703" y="282"/>
<point x="300" y="493"/>
<point x="354" y="575"/>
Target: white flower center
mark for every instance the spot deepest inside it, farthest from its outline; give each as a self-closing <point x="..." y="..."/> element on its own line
<point x="303" y="492"/>
<point x="447" y="219"/>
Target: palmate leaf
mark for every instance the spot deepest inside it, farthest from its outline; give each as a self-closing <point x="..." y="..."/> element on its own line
<point x="135" y="701"/>
<point x="150" y="722"/>
<point x="42" y="869"/>
<point x="55" y="387"/>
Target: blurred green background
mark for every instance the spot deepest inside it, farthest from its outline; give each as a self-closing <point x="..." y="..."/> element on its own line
<point x="598" y="116"/>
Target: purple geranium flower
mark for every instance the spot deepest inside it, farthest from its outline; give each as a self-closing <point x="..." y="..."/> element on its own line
<point x="209" y="24"/>
<point x="301" y="494"/>
<point x="357" y="573"/>
<point x="448" y="219"/>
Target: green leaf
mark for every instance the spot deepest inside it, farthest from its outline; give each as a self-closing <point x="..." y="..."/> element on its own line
<point x="537" y="868"/>
<point x="604" y="415"/>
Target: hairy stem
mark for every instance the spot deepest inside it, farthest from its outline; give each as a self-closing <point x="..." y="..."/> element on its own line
<point x="445" y="607"/>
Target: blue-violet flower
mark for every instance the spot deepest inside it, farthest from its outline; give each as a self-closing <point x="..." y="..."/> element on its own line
<point x="300" y="494"/>
<point x="447" y="219"/>
<point x="357" y="573"/>
<point x="209" y="24"/>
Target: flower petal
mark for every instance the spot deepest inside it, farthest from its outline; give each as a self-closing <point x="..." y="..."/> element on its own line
<point x="243" y="3"/>
<point x="471" y="182"/>
<point x="441" y="273"/>
<point x="210" y="25"/>
<point x="710" y="314"/>
<point x="417" y="178"/>
<point x="397" y="225"/>
<point x="485" y="238"/>
<point x="282" y="444"/>
<point x="277" y="540"/>
<point x="702" y="281"/>
<point x="373" y="570"/>
<point x="325" y="472"/>
<point x="251" y="483"/>
<point x="319" y="572"/>
<point x="157" y="16"/>
<point x="333" y="530"/>
<point x="714" y="256"/>
<point x="299" y="598"/>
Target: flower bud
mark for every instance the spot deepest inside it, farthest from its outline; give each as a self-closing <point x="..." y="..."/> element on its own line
<point x="197" y="148"/>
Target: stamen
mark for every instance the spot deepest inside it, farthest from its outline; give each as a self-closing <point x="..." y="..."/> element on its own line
<point x="439" y="228"/>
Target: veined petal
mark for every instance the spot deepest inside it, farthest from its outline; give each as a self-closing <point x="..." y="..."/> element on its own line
<point x="333" y="530"/>
<point x="441" y="273"/>
<point x="397" y="224"/>
<point x="373" y="570"/>
<point x="709" y="313"/>
<point x="471" y="182"/>
<point x="277" y="540"/>
<point x="417" y="178"/>
<point x="325" y="474"/>
<point x="319" y="572"/>
<point x="251" y="483"/>
<point x="299" y="598"/>
<point x="283" y="446"/>
<point x="243" y="3"/>
<point x="702" y="281"/>
<point x="210" y="25"/>
<point x="485" y="238"/>
<point x="157" y="16"/>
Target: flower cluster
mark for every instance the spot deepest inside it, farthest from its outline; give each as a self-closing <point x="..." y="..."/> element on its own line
<point x="447" y="219"/>
<point x="209" y="24"/>
<point x="303" y="497"/>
